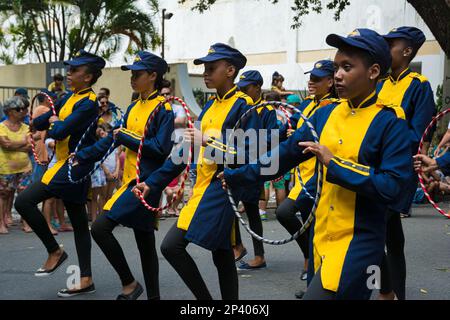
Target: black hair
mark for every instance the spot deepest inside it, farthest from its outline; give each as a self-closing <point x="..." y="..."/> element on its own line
<point x="236" y="69"/>
<point x="276" y="77"/>
<point x="409" y="43"/>
<point x="41" y="98"/>
<point x="25" y="101"/>
<point x="108" y="92"/>
<point x="135" y="96"/>
<point x="96" y="73"/>
<point x="58" y="77"/>
<point x="333" y="92"/>
<point x="272" y="96"/>
<point x="166" y="84"/>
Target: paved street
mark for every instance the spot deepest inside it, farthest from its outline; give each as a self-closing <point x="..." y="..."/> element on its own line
<point x="427" y="253"/>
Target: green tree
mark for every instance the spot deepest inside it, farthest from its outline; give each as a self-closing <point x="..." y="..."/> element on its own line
<point x="435" y="13"/>
<point x="53" y="30"/>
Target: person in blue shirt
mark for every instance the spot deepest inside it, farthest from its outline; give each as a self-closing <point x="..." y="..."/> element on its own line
<point x="250" y="82"/>
<point x="366" y="166"/>
<point x="207" y="218"/>
<point x="74" y="114"/>
<point x="123" y="208"/>
<point x="411" y="91"/>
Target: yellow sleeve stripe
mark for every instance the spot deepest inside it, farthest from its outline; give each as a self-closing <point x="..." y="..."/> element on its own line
<point x="131" y="134"/>
<point x="349" y="165"/>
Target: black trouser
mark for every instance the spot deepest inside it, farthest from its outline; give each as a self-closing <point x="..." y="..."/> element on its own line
<point x="173" y="248"/>
<point x="286" y="215"/>
<point x="393" y="266"/>
<point x="26" y="205"/>
<point x="102" y="233"/>
<point x="316" y="291"/>
<point x="254" y="220"/>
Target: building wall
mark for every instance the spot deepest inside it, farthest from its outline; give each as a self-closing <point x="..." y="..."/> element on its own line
<point x="262" y="32"/>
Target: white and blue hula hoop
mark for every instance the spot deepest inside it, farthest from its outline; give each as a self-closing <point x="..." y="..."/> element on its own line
<point x="110" y="150"/>
<point x="316" y="199"/>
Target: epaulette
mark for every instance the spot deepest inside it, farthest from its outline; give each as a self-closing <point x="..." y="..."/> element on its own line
<point x="247" y="99"/>
<point x="399" y="111"/>
<point x="167" y="105"/>
<point x="416" y="75"/>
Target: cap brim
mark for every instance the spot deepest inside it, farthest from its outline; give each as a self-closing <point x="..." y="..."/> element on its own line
<point x="73" y="63"/>
<point x="338" y="41"/>
<point x="132" y="67"/>
<point x="319" y="73"/>
<point x="244" y="83"/>
<point x="208" y="58"/>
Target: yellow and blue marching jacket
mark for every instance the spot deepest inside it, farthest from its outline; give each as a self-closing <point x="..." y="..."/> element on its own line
<point x="413" y="93"/>
<point x="307" y="168"/>
<point x="76" y="111"/>
<point x="123" y="206"/>
<point x="268" y="121"/>
<point x="370" y="166"/>
<point x="208" y="216"/>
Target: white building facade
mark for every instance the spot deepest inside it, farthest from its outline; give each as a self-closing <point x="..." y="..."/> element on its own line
<point x="262" y="31"/>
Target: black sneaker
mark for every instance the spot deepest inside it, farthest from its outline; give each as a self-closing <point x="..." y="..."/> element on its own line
<point x="133" y="295"/>
<point x="45" y="273"/>
<point x="299" y="294"/>
<point x="67" y="293"/>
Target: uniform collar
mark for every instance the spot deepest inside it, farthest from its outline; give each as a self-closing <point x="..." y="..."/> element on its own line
<point x="84" y="91"/>
<point x="323" y="98"/>
<point x="227" y="95"/>
<point x="370" y="100"/>
<point x="401" y="76"/>
<point x="259" y="101"/>
<point x="152" y="96"/>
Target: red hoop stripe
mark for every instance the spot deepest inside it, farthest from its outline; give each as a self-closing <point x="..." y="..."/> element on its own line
<point x="422" y="185"/>
<point x="139" y="155"/>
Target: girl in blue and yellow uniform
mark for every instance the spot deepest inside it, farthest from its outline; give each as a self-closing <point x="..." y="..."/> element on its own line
<point x="366" y="164"/>
<point x="321" y="90"/>
<point x="123" y="208"/>
<point x="411" y="91"/>
<point x="207" y="218"/>
<point x="250" y="82"/>
<point x="75" y="113"/>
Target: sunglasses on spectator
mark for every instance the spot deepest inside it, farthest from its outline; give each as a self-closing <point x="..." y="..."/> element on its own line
<point x="20" y="109"/>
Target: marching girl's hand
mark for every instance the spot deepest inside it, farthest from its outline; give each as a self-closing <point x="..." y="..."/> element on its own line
<point x="290" y="132"/>
<point x="74" y="160"/>
<point x="53" y="119"/>
<point x="141" y="188"/>
<point x="424" y="163"/>
<point x="222" y="178"/>
<point x="193" y="135"/>
<point x="115" y="133"/>
<point x="320" y="151"/>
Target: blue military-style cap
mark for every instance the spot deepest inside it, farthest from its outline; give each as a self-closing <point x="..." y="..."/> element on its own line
<point x="322" y="69"/>
<point x="367" y="40"/>
<point x="250" y="77"/>
<point x="22" y="92"/>
<point x="83" y="57"/>
<point x="147" y="61"/>
<point x="221" y="51"/>
<point x="412" y="34"/>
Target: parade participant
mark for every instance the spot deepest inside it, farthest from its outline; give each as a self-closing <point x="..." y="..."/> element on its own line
<point x="366" y="165"/>
<point x="250" y="83"/>
<point x="75" y="113"/>
<point x="208" y="216"/>
<point x="321" y="90"/>
<point x="412" y="92"/>
<point x="123" y="208"/>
